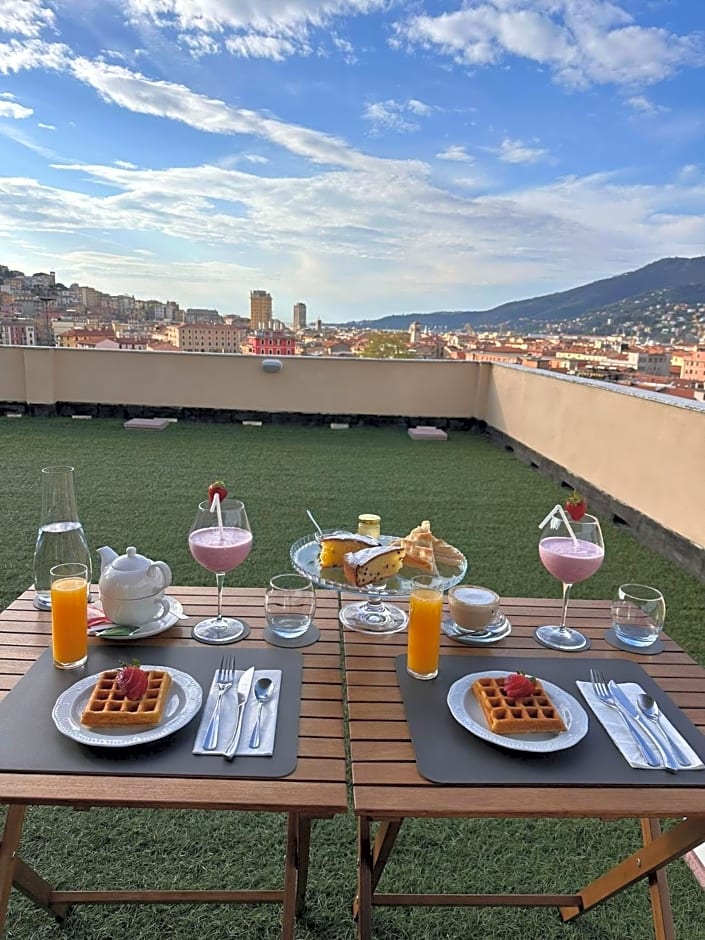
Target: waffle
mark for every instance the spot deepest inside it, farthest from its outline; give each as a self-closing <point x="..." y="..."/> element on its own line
<point x="508" y="716"/>
<point x="423" y="550"/>
<point x="109" y="707"/>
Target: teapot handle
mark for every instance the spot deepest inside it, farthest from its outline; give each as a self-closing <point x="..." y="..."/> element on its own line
<point x="165" y="571"/>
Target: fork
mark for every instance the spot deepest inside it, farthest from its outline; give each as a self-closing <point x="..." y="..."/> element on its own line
<point x="601" y="690"/>
<point x="224" y="678"/>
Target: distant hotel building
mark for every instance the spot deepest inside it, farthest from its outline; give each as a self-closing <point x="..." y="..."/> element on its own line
<point x="17" y="333"/>
<point x="299" y="316"/>
<point x="260" y="309"/>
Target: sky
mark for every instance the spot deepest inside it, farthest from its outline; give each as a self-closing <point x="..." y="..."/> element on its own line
<point x="366" y="157"/>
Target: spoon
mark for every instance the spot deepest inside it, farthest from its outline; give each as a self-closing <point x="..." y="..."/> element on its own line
<point x="318" y="528"/>
<point x="649" y="708"/>
<point x="264" y="688"/>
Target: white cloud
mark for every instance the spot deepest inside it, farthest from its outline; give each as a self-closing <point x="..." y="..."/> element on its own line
<point x="347" y="49"/>
<point x="644" y="105"/>
<point x="455" y="152"/>
<point x="10" y="109"/>
<point x="388" y="115"/>
<point x="516" y="151"/>
<point x="46" y="127"/>
<point x="258" y="46"/>
<point x="25" y="17"/>
<point x="199" y="44"/>
<point x="583" y="42"/>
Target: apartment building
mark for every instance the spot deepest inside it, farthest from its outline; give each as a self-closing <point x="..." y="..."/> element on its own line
<point x="270" y="343"/>
<point x="260" y="309"/>
<point x="205" y="337"/>
<point x="693" y="368"/>
<point x="299" y="317"/>
<point x="17" y="333"/>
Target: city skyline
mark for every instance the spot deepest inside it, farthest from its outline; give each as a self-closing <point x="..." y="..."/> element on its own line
<point x="366" y="159"/>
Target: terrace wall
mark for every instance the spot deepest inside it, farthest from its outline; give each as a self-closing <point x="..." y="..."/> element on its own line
<point x="639" y="455"/>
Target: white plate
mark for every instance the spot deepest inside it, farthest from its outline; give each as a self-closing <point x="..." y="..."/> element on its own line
<point x="172" y="615"/>
<point x="185" y="696"/>
<point x="466" y="710"/>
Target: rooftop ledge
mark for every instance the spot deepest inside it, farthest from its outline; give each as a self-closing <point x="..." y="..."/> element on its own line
<point x="637" y="455"/>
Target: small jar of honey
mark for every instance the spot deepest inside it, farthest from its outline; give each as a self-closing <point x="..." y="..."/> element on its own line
<point x="369" y="524"/>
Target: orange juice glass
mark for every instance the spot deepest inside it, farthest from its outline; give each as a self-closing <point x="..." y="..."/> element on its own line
<point x="424" y="632"/>
<point x="69" y="615"/>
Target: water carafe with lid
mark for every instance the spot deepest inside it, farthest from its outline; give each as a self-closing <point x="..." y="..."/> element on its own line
<point x="60" y="538"/>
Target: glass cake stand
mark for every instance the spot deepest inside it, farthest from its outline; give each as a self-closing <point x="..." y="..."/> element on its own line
<point x="371" y="615"/>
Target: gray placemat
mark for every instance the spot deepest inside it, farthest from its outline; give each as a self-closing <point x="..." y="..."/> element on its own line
<point x="448" y="753"/>
<point x="29" y="740"/>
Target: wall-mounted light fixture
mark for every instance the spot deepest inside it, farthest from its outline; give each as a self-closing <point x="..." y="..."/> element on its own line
<point x="271" y="365"/>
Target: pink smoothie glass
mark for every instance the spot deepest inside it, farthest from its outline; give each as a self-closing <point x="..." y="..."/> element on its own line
<point x="572" y="552"/>
<point x="220" y="542"/>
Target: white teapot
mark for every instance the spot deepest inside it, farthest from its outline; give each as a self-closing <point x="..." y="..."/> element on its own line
<point x="132" y="587"/>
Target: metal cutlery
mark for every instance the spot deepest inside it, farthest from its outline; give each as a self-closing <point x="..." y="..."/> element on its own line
<point x="224" y="679"/>
<point x="650" y="710"/>
<point x="602" y="691"/>
<point x="630" y="708"/>
<point x="264" y="689"/>
<point x="244" y="685"/>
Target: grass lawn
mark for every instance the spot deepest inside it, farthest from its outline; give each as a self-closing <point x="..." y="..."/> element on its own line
<point x="142" y="489"/>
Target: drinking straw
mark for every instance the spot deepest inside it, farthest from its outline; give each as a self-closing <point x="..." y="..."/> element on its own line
<point x="559" y="509"/>
<point x="216" y="504"/>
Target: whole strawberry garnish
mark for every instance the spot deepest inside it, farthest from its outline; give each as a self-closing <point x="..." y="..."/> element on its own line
<point x="576" y="506"/>
<point x="219" y="488"/>
<point x="518" y="686"/>
<point x="132" y="681"/>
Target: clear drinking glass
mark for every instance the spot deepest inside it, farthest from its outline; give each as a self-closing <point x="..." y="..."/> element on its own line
<point x="220" y="549"/>
<point x="424" y="636"/>
<point x="572" y="555"/>
<point x="289" y="605"/>
<point x="60" y="537"/>
<point x="638" y="614"/>
<point x="69" y="615"/>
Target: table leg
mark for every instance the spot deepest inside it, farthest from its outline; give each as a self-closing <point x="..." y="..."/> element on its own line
<point x="659" y="849"/>
<point x="8" y="848"/>
<point x="362" y="906"/>
<point x="304" y="844"/>
<point x="298" y="842"/>
<point x="377" y="856"/>
<point x="659" y="894"/>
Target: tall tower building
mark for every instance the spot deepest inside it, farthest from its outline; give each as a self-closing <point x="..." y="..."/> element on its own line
<point x="299" y="316"/>
<point x="260" y="309"/>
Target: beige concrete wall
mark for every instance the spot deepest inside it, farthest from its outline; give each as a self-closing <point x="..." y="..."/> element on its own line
<point x="203" y="380"/>
<point x="647" y="452"/>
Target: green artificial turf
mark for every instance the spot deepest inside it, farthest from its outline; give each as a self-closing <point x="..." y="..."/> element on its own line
<point x="142" y="488"/>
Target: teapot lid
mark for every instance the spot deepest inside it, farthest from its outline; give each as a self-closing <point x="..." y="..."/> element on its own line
<point x="131" y="561"/>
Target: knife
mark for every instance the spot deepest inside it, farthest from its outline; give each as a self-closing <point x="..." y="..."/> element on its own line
<point x="244" y="684"/>
<point x="633" y="713"/>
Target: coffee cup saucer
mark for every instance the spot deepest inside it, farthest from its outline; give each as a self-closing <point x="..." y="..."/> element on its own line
<point x="497" y="629"/>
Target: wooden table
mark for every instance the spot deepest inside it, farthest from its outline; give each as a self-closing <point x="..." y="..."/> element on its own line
<point x="316" y="789"/>
<point x="387" y="788"/>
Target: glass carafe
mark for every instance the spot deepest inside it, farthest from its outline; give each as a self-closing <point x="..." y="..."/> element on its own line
<point x="60" y="538"/>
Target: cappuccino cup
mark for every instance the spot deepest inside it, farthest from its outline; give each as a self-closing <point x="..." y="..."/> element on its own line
<point x="472" y="607"/>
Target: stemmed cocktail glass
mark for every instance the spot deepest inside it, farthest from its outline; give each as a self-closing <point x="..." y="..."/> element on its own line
<point x="571" y="551"/>
<point x="220" y="541"/>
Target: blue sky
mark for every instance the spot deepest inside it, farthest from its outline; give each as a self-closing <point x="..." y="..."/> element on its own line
<point x="364" y="157"/>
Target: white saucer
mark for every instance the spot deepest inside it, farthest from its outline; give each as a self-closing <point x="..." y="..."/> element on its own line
<point x="172" y="615"/>
<point x="498" y="628"/>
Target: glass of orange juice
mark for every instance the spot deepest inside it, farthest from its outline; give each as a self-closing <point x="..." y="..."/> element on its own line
<point x="69" y="615"/>
<point x="424" y="636"/>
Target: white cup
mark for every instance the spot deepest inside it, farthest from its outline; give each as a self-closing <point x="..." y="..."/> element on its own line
<point x="289" y="605"/>
<point x="472" y="607"/>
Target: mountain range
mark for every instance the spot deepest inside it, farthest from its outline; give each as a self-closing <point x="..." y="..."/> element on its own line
<point x="670" y="280"/>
